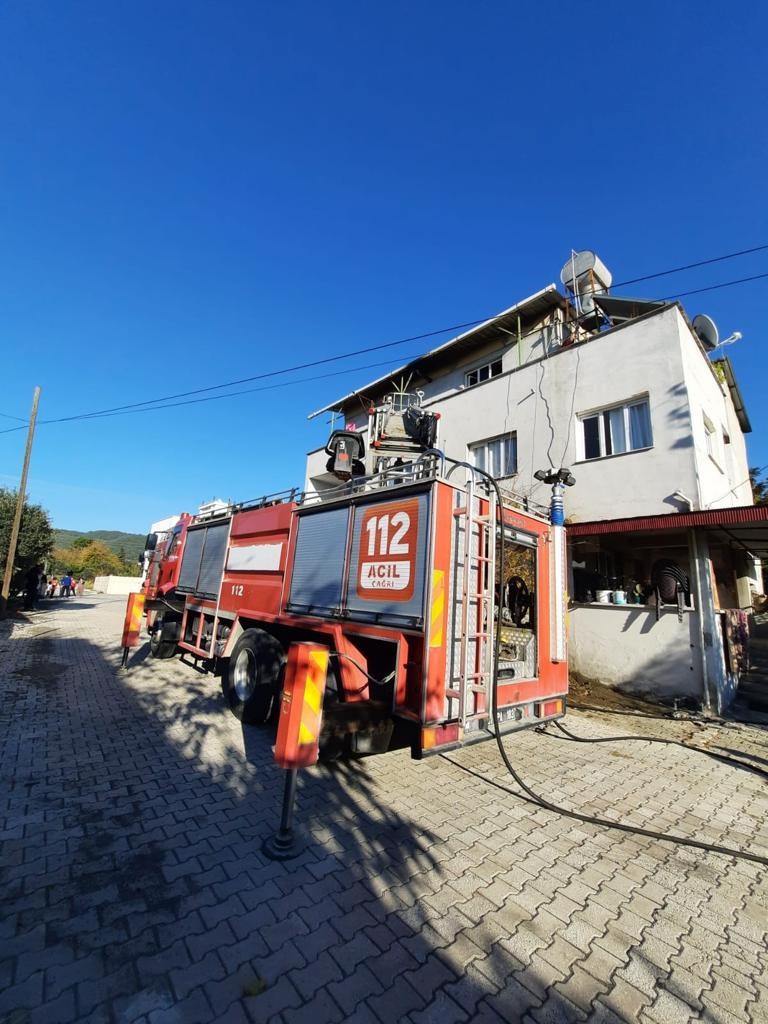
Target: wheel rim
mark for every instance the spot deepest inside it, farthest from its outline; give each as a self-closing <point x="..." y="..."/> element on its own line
<point x="245" y="675"/>
<point x="157" y="632"/>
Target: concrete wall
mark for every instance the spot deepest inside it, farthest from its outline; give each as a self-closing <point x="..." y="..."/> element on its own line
<point x="625" y="646"/>
<point x="117" y="584"/>
<point x="657" y="356"/>
<point x="724" y="480"/>
<point x="643" y="357"/>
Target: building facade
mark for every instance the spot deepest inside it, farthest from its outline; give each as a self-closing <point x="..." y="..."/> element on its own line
<point x="626" y="394"/>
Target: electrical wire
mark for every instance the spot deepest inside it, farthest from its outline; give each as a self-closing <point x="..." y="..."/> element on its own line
<point x="589" y="819"/>
<point x="151" y="403"/>
<point x="573" y="406"/>
<point x="549" y="416"/>
<point x="659" y="739"/>
<point x="259" y="376"/>
<point x="758" y="470"/>
<point x="714" y="287"/>
<point x="214" y="398"/>
<point x="690" y="266"/>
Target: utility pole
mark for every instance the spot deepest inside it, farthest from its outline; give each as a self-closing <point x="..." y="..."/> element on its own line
<point x="19" y="509"/>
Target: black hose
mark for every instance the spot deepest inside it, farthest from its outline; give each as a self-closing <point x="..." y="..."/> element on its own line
<point x="359" y="667"/>
<point x="618" y="711"/>
<point x="659" y="739"/>
<point x="535" y="797"/>
<point x="679" y="716"/>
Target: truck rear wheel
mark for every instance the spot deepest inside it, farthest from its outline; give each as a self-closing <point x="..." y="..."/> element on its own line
<point x="251" y="681"/>
<point x="160" y="646"/>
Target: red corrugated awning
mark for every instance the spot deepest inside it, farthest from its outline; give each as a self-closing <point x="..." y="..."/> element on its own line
<point x="746" y="525"/>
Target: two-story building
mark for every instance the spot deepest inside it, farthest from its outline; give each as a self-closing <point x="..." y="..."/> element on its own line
<point x="627" y="394"/>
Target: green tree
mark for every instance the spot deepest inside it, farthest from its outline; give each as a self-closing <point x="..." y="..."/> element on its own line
<point x="95" y="559"/>
<point x="759" y="485"/>
<point x="81" y="542"/>
<point x="35" y="535"/>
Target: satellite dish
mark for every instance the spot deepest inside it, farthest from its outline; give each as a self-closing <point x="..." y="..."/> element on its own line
<point x="705" y="329"/>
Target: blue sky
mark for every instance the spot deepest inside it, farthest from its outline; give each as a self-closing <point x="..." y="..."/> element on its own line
<point x="196" y="192"/>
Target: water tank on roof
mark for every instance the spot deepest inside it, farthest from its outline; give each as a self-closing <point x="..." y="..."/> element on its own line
<point x="585" y="274"/>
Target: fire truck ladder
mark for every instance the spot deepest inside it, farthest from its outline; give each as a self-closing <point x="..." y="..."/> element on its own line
<point x="473" y="609"/>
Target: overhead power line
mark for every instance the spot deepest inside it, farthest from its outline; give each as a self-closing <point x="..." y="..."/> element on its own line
<point x="214" y="398"/>
<point x="714" y="287"/>
<point x="690" y="266"/>
<point x="233" y="394"/>
<point x="270" y="373"/>
<point x="169" y="401"/>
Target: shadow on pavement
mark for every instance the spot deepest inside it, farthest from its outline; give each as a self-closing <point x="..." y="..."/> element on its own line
<point x="135" y="889"/>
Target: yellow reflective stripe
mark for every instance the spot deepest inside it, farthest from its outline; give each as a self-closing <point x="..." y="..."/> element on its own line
<point x="438" y="606"/>
<point x="313" y="695"/>
<point x="305" y="736"/>
<point x="318" y="661"/>
<point x="317" y="668"/>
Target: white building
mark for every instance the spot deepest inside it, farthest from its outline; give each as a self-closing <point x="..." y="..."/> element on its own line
<point x="623" y="392"/>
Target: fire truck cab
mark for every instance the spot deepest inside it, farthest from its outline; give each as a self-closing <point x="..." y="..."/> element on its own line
<point x="163" y="607"/>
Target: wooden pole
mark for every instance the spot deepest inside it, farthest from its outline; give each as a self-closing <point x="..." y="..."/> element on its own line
<point x="14" y="539"/>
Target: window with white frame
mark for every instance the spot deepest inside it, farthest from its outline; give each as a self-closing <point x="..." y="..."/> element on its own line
<point x="618" y="429"/>
<point x="710" y="437"/>
<point x="483" y="373"/>
<point x="497" y="455"/>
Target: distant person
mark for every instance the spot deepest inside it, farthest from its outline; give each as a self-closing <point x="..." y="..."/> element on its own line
<point x="42" y="587"/>
<point x="66" y="585"/>
<point x="80" y="587"/>
<point x="53" y="584"/>
<point x="32" y="587"/>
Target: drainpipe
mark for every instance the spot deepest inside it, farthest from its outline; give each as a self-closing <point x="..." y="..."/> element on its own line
<point x="694" y="548"/>
<point x="558" y="584"/>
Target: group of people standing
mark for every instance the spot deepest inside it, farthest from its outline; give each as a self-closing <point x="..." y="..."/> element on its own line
<point x="37" y="584"/>
<point x="67" y="586"/>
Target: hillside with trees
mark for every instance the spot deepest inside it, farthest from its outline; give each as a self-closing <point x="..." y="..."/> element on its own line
<point x="128" y="546"/>
<point x="90" y="558"/>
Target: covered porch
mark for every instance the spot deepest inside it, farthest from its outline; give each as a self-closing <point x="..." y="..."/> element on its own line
<point x="660" y="604"/>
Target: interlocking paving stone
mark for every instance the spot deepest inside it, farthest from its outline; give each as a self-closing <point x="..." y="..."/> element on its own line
<point x="137" y="892"/>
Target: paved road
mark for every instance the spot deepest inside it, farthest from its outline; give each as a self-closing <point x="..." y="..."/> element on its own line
<point x="134" y="889"/>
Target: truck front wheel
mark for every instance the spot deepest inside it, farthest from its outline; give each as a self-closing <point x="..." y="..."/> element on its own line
<point x="159" y="644"/>
<point x="251" y="681"/>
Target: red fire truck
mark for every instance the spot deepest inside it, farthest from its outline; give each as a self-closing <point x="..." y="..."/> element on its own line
<point x="396" y="570"/>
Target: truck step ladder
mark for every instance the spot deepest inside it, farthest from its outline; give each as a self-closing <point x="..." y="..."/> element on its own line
<point x="473" y="608"/>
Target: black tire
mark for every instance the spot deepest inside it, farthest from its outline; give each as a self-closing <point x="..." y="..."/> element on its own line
<point x="251" y="681"/>
<point x="159" y="645"/>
